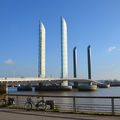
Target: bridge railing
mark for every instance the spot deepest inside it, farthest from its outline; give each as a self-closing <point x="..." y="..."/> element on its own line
<point x="78" y="104"/>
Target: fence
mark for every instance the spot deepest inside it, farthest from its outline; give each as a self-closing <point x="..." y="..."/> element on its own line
<point x="77" y="104"/>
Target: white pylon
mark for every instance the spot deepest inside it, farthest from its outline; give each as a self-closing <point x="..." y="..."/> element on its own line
<point x="64" y="54"/>
<point x="41" y="66"/>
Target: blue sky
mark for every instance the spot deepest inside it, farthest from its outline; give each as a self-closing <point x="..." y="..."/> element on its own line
<point x="94" y="22"/>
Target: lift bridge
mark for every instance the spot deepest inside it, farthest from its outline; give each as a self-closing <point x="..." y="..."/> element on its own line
<point x="38" y="79"/>
<point x="6" y="81"/>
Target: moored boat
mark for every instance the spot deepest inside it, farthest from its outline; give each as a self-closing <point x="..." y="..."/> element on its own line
<point x="103" y="85"/>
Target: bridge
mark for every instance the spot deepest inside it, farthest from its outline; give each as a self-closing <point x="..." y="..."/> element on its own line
<point x="5" y="81"/>
<point x="38" y="79"/>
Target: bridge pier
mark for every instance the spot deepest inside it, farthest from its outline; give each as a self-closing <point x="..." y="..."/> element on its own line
<point x="64" y="83"/>
<point x="65" y="86"/>
<point x="33" y="89"/>
<point x="7" y="91"/>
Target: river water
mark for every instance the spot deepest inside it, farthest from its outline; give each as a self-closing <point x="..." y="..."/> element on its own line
<point x="112" y="91"/>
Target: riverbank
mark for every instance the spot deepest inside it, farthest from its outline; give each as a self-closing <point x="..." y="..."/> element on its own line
<point x="100" y="105"/>
<point x="13" y="114"/>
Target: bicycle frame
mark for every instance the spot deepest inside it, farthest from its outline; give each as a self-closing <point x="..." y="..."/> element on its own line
<point x="39" y="105"/>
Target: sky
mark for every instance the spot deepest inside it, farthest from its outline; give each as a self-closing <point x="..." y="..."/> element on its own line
<point x="89" y="22"/>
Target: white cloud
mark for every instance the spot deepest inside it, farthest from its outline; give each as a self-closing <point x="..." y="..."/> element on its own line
<point x="110" y="49"/>
<point x="9" y="62"/>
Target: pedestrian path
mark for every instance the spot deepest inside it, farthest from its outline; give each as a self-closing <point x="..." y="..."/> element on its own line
<point x="16" y="114"/>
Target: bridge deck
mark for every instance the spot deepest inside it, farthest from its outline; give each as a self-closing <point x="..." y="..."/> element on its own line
<point x="36" y="79"/>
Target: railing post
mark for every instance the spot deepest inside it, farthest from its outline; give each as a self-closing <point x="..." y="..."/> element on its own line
<point x="112" y="103"/>
<point x="74" y="105"/>
<point x="42" y="98"/>
<point x="17" y="101"/>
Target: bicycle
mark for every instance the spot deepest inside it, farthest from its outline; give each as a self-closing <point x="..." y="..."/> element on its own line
<point x="39" y="105"/>
<point x="7" y="102"/>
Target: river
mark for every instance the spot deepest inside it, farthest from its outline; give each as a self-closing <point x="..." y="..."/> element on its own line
<point x="112" y="91"/>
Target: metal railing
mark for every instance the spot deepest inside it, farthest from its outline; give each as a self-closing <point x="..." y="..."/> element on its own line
<point x="77" y="104"/>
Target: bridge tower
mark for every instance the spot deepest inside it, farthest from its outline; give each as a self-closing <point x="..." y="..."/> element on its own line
<point x="89" y="61"/>
<point x="64" y="54"/>
<point x="75" y="65"/>
<point x="41" y="56"/>
<point x="75" y="62"/>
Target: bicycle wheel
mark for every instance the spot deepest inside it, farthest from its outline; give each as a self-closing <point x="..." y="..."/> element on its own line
<point x="2" y="102"/>
<point x="28" y="106"/>
<point x="41" y="105"/>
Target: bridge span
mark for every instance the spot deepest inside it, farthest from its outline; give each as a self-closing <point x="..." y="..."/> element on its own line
<point x="38" y="79"/>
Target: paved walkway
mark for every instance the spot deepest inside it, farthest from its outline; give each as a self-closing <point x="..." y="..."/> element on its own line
<point x="12" y="114"/>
